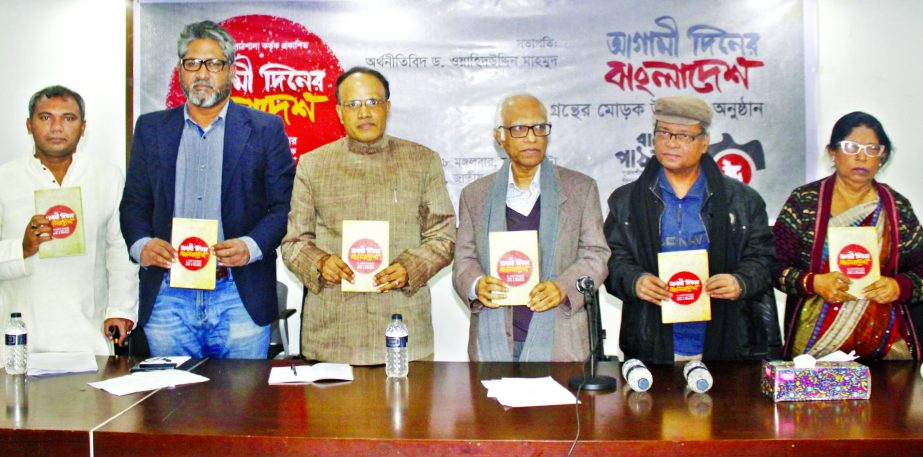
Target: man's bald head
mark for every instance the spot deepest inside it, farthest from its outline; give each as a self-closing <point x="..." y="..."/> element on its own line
<point x="516" y="100"/>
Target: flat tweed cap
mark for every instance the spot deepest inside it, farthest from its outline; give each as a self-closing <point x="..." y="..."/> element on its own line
<point x="683" y="110"/>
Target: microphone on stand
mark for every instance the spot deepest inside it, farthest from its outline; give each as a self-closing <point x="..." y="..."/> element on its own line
<point x="585" y="285"/>
<point x="592" y="381"/>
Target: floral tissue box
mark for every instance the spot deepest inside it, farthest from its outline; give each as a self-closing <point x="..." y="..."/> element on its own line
<point x="826" y="381"/>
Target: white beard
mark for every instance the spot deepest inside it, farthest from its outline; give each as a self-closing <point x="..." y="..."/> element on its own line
<point x="206" y="100"/>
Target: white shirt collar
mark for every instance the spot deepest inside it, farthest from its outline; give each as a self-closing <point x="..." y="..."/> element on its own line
<point x="534" y="186"/>
<point x="520" y="200"/>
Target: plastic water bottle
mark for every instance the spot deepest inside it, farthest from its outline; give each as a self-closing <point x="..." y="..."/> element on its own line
<point x="397" y="395"/>
<point x="637" y="375"/>
<point x="17" y="398"/>
<point x="698" y="379"/>
<point x="16" y="349"/>
<point x="396" y="363"/>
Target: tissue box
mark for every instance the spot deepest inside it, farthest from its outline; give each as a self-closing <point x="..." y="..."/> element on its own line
<point x="826" y="381"/>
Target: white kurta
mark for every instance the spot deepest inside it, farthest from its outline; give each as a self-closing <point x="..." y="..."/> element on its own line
<point x="64" y="301"/>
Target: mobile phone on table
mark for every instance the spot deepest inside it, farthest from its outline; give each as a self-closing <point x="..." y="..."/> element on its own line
<point x="155" y="363"/>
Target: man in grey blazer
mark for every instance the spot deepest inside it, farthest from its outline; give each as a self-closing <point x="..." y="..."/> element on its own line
<point x="529" y="193"/>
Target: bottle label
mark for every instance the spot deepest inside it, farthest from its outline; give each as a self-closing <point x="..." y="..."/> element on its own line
<point x="396" y="341"/>
<point x="692" y="366"/>
<point x="15" y="340"/>
<point x="629" y="366"/>
<point x="633" y="368"/>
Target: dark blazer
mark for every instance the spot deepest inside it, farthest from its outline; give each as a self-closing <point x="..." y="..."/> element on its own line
<point x="256" y="190"/>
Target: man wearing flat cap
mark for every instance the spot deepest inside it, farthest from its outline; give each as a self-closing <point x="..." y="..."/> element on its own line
<point x="682" y="202"/>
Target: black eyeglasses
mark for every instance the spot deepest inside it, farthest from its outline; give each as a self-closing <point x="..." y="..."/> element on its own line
<point x="685" y="138"/>
<point x="520" y="131"/>
<point x="213" y="65"/>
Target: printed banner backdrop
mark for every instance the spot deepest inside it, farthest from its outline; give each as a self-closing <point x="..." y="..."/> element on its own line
<point x="597" y="65"/>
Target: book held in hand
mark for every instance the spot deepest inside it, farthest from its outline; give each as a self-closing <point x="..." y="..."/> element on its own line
<point x="365" y="250"/>
<point x="514" y="259"/>
<point x="854" y="252"/>
<point x="195" y="262"/>
<point x="63" y="207"/>
<point x="685" y="273"/>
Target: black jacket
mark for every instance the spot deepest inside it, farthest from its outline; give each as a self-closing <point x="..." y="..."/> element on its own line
<point x="743" y="329"/>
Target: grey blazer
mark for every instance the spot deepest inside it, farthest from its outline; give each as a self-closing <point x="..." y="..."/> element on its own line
<point x="581" y="250"/>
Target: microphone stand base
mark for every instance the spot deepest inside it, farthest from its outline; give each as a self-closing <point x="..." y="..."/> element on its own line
<point x="600" y="382"/>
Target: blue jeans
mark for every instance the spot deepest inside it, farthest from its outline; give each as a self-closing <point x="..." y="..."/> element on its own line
<point x="204" y="323"/>
<point x="517" y="349"/>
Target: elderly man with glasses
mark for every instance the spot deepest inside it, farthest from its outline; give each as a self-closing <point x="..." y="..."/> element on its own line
<point x="682" y="202"/>
<point x="367" y="176"/>
<point x="562" y="205"/>
<point x="208" y="159"/>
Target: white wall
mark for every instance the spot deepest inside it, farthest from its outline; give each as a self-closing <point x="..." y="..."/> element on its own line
<point x="76" y="43"/>
<point x="866" y="61"/>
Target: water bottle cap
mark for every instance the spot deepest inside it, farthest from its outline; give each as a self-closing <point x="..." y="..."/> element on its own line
<point x="397" y="316"/>
<point x="15" y="315"/>
<point x="644" y="384"/>
<point x="702" y="384"/>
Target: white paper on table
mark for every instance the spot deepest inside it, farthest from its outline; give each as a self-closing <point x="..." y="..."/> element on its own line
<point x="44" y="363"/>
<point x="524" y="392"/>
<point x="493" y="386"/>
<point x="147" y="380"/>
<point x="307" y="374"/>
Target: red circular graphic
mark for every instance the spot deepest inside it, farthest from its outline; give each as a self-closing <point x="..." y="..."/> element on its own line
<point x="685" y="287"/>
<point x="193" y="253"/>
<point x="365" y="256"/>
<point x="854" y="261"/>
<point x="283" y="69"/>
<point x="63" y="221"/>
<point x="735" y="164"/>
<point x="514" y="268"/>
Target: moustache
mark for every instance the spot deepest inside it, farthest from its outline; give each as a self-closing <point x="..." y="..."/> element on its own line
<point x="203" y="82"/>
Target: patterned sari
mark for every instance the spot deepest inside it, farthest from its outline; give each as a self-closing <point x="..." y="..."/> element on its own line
<point x="873" y="330"/>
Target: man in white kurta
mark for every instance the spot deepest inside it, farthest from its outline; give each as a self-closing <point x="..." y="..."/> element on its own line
<point x="67" y="303"/>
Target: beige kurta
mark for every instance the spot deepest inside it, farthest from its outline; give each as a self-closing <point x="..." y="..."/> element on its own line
<point x="394" y="180"/>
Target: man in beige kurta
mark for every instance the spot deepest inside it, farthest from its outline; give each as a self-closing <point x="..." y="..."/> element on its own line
<point x="367" y="176"/>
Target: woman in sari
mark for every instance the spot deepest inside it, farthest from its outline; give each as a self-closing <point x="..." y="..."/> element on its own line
<point x="820" y="316"/>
